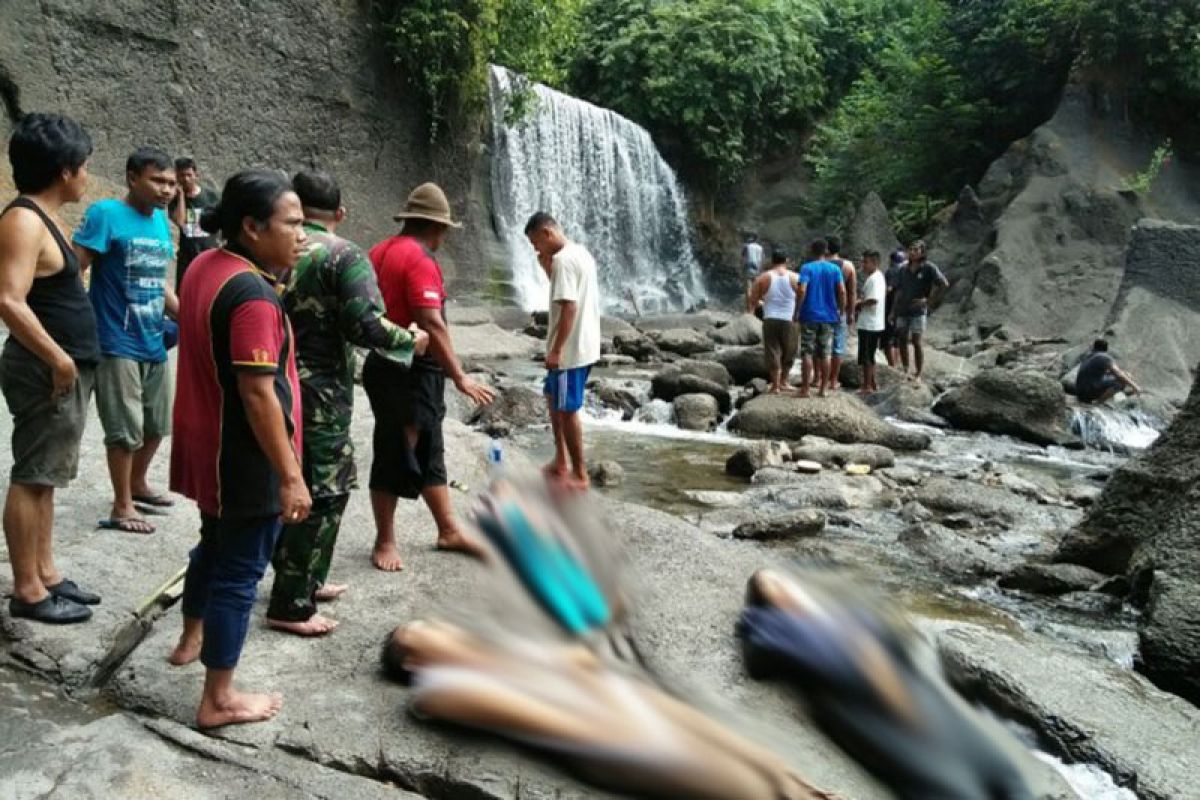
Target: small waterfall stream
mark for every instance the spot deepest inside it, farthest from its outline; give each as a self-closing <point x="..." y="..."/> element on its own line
<point x="1115" y="429"/>
<point x="601" y="176"/>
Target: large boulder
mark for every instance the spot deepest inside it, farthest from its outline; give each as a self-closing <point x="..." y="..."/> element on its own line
<point x="840" y="417"/>
<point x="684" y="341"/>
<point x="1051" y="578"/>
<point x="745" y="329"/>
<point x="832" y="454"/>
<point x="614" y="395"/>
<point x="1146" y="524"/>
<point x="755" y="456"/>
<point x="794" y="524"/>
<point x="743" y="363"/>
<point x="637" y="346"/>
<point x="870" y="229"/>
<point x="697" y="412"/>
<point x="514" y="407"/>
<point x="612" y="327"/>
<point x="672" y="382"/>
<point x="703" y="321"/>
<point x="709" y="370"/>
<point x="1027" y="405"/>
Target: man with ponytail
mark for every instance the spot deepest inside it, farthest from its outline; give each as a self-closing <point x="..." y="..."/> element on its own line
<point x="238" y="437"/>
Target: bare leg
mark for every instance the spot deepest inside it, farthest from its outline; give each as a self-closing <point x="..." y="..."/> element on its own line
<point x="918" y="355"/>
<point x="572" y="427"/>
<point x="822" y="365"/>
<point x="28" y="524"/>
<point x="835" y="366"/>
<point x="869" y="378"/>
<point x="187" y="649"/>
<point x="385" y="556"/>
<point x="449" y="537"/>
<point x="221" y="704"/>
<point x="120" y="470"/>
<point x="558" y="468"/>
<point x="806" y="369"/>
<point x="903" y="348"/>
<point x="141" y="466"/>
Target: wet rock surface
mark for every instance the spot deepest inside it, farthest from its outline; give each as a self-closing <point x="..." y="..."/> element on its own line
<point x="785" y="526"/>
<point x="1026" y="405"/>
<point x="696" y="412"/>
<point x="839" y="417"/>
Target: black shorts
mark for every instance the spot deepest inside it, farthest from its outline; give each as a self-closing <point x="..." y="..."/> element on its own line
<point x="401" y="398"/>
<point x="1093" y="392"/>
<point x="868" y="344"/>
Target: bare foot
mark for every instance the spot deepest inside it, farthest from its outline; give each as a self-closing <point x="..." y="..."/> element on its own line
<point x="554" y="471"/>
<point x="803" y="394"/>
<point x="456" y="542"/>
<point x="316" y="625"/>
<point x="577" y="483"/>
<point x="330" y="591"/>
<point x="387" y="558"/>
<point x="833" y="387"/>
<point x="238" y="708"/>
<point x="820" y="393"/>
<point x="186" y="651"/>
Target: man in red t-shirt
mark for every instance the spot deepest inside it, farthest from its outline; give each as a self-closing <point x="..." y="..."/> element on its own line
<point x="237" y="433"/>
<point x="409" y="401"/>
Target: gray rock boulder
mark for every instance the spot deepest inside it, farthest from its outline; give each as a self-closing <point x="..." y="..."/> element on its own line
<point x="684" y="341"/>
<point x="696" y="412"/>
<point x="743" y="363"/>
<point x="639" y="346"/>
<point x="514" y="407"/>
<point x="672" y="382"/>
<point x="839" y="455"/>
<point x="808" y="522"/>
<point x="612" y="327"/>
<point x="1146" y="524"/>
<point x="745" y="329"/>
<point x="1028" y="405"/>
<point x="840" y="417"/>
<point x="750" y="459"/>
<point x="850" y="375"/>
<point x="870" y="229"/>
<point x="906" y="401"/>
<point x="612" y="394"/>
<point x="703" y="321"/>
<point x="1051" y="578"/>
<point x="605" y="474"/>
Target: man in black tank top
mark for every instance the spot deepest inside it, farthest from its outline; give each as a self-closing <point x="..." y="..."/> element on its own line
<point x="48" y="362"/>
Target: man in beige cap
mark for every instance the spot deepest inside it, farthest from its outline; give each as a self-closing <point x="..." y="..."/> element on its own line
<point x="408" y="401"/>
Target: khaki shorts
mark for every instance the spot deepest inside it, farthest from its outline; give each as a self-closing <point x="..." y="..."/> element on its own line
<point x="133" y="399"/>
<point x="816" y="338"/>
<point x="780" y="339"/>
<point x="46" y="432"/>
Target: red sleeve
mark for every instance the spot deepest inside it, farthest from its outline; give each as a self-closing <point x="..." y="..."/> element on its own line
<point x="256" y="337"/>
<point x="425" y="289"/>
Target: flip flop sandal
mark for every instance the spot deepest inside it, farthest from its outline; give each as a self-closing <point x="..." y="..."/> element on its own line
<point x="125" y="525"/>
<point x="70" y="590"/>
<point x="151" y="511"/>
<point x="156" y="500"/>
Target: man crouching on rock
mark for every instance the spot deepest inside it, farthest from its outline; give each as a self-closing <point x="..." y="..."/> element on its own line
<point x="573" y="340"/>
<point x="237" y="444"/>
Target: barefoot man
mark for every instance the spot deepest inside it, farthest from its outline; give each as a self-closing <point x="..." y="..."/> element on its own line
<point x="573" y="340"/>
<point x="237" y="442"/>
<point x="409" y="401"/>
<point x="333" y="302"/>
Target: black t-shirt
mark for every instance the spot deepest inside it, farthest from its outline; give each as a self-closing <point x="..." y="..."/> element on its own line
<point x="1089" y="382"/>
<point x="194" y="240"/>
<point x="914" y="284"/>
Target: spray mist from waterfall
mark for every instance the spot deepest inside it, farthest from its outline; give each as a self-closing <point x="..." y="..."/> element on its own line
<point x="600" y="175"/>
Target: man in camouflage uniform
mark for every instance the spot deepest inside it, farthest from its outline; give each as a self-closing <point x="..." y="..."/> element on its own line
<point x="334" y="303"/>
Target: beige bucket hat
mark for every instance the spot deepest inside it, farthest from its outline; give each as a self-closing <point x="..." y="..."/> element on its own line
<point x="428" y="201"/>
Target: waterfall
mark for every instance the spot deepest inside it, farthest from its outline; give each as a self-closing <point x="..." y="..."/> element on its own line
<point x="601" y="177"/>
<point x="1122" y="430"/>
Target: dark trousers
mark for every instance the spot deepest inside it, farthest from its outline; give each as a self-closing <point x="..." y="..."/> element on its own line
<point x="302" y="559"/>
<point x="222" y="580"/>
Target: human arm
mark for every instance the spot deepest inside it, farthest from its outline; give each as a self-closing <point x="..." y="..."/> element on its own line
<point x="851" y="278"/>
<point x="757" y="290"/>
<point x="441" y="348"/>
<point x="171" y="303"/>
<point x="1125" y="379"/>
<point x="841" y="298"/>
<point x="568" y="312"/>
<point x="177" y="209"/>
<point x="361" y="316"/>
<point x="21" y="238"/>
<point x="266" y="418"/>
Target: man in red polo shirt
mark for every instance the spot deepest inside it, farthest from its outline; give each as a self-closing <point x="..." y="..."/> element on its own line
<point x="409" y="401"/>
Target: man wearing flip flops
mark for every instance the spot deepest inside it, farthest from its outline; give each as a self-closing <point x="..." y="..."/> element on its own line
<point x="127" y="243"/>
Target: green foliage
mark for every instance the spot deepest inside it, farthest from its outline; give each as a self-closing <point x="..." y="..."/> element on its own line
<point x="444" y="48"/>
<point x="1142" y="181"/>
<point x="717" y="82"/>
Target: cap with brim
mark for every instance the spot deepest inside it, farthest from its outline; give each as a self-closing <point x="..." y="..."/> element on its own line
<point x="428" y="202"/>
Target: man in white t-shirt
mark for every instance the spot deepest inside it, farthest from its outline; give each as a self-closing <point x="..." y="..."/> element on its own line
<point x="871" y="320"/>
<point x="572" y="341"/>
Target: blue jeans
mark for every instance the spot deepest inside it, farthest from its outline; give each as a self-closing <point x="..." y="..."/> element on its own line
<point x="222" y="580"/>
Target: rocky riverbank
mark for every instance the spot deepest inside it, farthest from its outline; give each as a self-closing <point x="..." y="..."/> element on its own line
<point x="938" y="526"/>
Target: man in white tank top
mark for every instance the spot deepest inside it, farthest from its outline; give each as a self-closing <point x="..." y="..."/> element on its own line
<point x="776" y="290"/>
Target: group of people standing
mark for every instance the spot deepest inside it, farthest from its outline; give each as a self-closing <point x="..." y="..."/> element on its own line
<point x="267" y="307"/>
<point x="815" y="308"/>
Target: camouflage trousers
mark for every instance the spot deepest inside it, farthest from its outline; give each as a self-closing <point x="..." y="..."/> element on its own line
<point x="302" y="558"/>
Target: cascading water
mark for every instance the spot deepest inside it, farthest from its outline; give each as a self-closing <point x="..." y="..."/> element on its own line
<point x="1116" y="429"/>
<point x="601" y="177"/>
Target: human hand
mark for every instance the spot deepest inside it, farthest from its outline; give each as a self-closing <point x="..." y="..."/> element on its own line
<point x="63" y="374"/>
<point x="479" y="394"/>
<point x="294" y="498"/>
<point x="553" y="359"/>
<point x="420" y="340"/>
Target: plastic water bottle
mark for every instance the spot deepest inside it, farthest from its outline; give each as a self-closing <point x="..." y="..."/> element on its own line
<point x="495" y="456"/>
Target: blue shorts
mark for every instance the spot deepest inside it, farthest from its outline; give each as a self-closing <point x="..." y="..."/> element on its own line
<point x="840" y="333"/>
<point x="565" y="387"/>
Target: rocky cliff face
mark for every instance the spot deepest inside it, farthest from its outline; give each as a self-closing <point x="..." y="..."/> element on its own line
<point x="236" y="84"/>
